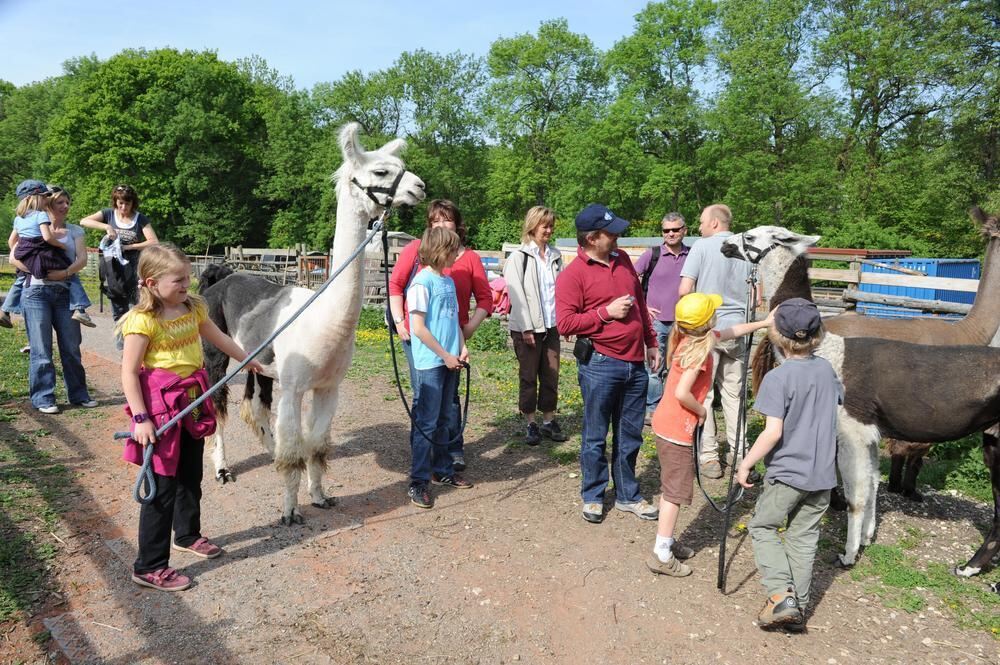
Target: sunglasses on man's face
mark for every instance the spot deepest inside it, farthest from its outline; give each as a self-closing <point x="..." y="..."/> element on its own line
<point x="676" y="229"/>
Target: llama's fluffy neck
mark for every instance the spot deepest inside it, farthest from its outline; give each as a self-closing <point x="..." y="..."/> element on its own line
<point x="784" y="276"/>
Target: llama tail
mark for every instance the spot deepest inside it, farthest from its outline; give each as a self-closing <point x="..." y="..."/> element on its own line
<point x="213" y="274"/>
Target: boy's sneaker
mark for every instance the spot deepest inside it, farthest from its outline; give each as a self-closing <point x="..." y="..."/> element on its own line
<point x="553" y="432"/>
<point x="83" y="318"/>
<point x="458" y="461"/>
<point x="51" y="410"/>
<point x="672" y="566"/>
<point x="454" y="480"/>
<point x="89" y="404"/>
<point x="26" y="348"/>
<point x="781" y="609"/>
<point x="420" y="496"/>
<point x="534" y="435"/>
<point x="640" y="509"/>
<point x="202" y="547"/>
<point x="5" y="321"/>
<point x="164" y="579"/>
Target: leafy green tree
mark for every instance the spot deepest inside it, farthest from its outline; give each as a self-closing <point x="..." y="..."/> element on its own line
<point x="181" y="128"/>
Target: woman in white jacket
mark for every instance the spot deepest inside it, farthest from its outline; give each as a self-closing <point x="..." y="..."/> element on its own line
<point x="530" y="273"/>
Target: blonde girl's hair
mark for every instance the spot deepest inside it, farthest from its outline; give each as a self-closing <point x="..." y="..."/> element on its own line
<point x="32" y="203"/>
<point x="795" y="347"/>
<point x="692" y="344"/>
<point x="437" y="246"/>
<point x="155" y="262"/>
<point x="536" y="216"/>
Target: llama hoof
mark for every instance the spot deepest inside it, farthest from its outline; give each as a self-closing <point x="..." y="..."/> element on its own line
<point x="294" y="518"/>
<point x="914" y="495"/>
<point x="892" y="489"/>
<point x="967" y="571"/>
<point x="328" y="502"/>
<point x="841" y="561"/>
<point x="225" y="476"/>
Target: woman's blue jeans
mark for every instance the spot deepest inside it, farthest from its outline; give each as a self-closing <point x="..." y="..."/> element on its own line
<point x="614" y="395"/>
<point x="46" y="307"/>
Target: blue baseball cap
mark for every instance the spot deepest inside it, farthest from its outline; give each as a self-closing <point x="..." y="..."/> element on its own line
<point x="597" y="217"/>
<point x="30" y="188"/>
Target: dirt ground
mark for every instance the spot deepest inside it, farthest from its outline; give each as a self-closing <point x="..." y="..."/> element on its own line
<point x="507" y="572"/>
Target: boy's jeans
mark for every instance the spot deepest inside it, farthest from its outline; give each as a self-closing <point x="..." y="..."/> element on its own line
<point x="432" y="402"/>
<point x="77" y="295"/>
<point x="789" y="564"/>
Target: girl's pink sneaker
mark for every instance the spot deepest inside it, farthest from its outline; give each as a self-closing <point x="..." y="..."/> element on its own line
<point x="164" y="579"/>
<point x="202" y="547"/>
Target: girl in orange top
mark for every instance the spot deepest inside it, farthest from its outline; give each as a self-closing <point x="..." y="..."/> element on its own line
<point x="689" y="356"/>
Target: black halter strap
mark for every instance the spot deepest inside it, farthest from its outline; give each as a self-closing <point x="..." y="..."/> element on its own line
<point x="752" y="253"/>
<point x="390" y="192"/>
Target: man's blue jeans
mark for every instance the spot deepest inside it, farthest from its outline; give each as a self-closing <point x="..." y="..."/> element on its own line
<point x="431" y="406"/>
<point x="614" y="395"/>
<point x="46" y="307"/>
<point x="657" y="375"/>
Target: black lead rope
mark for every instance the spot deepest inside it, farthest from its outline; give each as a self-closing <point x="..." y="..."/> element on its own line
<point x="395" y="362"/>
<point x="740" y="451"/>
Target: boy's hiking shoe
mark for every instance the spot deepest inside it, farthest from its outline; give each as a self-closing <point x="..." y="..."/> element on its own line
<point x="454" y="480"/>
<point x="781" y="610"/>
<point x="202" y="547"/>
<point x="5" y="321"/>
<point x="164" y="579"/>
<point x="83" y="318"/>
<point x="534" y="435"/>
<point x="711" y="469"/>
<point x="672" y="566"/>
<point x="458" y="461"/>
<point x="420" y="496"/>
<point x="553" y="432"/>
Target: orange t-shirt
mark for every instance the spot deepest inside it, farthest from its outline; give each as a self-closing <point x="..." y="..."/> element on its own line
<point x="673" y="421"/>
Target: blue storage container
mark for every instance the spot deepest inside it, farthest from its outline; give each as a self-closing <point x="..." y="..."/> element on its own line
<point x="958" y="268"/>
<point x="893" y="312"/>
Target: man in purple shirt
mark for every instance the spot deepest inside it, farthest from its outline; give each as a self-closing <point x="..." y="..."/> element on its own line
<point x="661" y="281"/>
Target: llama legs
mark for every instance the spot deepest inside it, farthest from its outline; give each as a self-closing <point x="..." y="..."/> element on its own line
<point x="991" y="545"/>
<point x="316" y="444"/>
<point x="288" y="458"/>
<point x="222" y="472"/>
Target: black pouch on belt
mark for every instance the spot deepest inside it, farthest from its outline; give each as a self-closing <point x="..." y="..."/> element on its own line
<point x="583" y="349"/>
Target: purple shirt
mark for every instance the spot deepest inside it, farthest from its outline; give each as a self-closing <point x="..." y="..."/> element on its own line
<point x="665" y="280"/>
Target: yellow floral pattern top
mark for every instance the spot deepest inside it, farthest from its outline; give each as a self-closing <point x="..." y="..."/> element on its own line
<point x="174" y="345"/>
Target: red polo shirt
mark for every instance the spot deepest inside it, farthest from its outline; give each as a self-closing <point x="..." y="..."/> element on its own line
<point x="585" y="288"/>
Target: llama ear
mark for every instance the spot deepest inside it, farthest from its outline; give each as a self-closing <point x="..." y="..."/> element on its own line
<point x="394" y="147"/>
<point x="350" y="146"/>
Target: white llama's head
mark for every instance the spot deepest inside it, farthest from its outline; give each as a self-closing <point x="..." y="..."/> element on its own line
<point x="774" y="248"/>
<point x="377" y="174"/>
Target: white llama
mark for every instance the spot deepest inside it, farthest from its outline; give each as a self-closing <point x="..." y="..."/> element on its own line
<point x="314" y="353"/>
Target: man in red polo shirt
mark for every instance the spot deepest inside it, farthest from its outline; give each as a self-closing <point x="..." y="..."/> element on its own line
<point x="599" y="297"/>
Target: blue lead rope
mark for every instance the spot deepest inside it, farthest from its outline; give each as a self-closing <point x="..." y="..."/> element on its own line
<point x="144" y="490"/>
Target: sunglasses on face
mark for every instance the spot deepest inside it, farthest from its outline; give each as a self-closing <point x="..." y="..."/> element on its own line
<point x="676" y="229"/>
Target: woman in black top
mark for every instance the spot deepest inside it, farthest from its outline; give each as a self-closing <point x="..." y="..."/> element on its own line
<point x="123" y="221"/>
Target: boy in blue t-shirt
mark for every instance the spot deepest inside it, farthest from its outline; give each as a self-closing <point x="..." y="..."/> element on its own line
<point x="799" y="399"/>
<point x="438" y="353"/>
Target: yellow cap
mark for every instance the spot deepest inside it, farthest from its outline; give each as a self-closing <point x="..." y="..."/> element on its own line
<point x="696" y="309"/>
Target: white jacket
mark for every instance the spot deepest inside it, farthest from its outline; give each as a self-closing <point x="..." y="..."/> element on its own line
<point x="523" y="287"/>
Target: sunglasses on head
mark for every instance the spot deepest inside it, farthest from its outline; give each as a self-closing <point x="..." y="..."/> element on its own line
<point x="676" y="229"/>
<point x="123" y="188"/>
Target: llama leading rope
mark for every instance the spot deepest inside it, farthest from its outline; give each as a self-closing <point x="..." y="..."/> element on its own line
<point x="738" y="454"/>
<point x="145" y="482"/>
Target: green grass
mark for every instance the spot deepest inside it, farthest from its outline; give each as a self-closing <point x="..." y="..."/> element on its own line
<point x="912" y="585"/>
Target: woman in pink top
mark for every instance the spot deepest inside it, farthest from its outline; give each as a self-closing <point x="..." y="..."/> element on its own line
<point x="470" y="282"/>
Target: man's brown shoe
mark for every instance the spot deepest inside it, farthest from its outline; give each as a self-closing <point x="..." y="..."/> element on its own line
<point x="780" y="610"/>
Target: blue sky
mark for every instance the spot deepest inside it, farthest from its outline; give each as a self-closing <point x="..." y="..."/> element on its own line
<point x="309" y="40"/>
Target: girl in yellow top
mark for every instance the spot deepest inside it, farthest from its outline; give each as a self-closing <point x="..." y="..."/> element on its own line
<point x="164" y="331"/>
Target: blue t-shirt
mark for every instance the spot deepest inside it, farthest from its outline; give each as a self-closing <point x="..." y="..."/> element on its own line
<point x="804" y="393"/>
<point x="30" y="225"/>
<point x="435" y="296"/>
